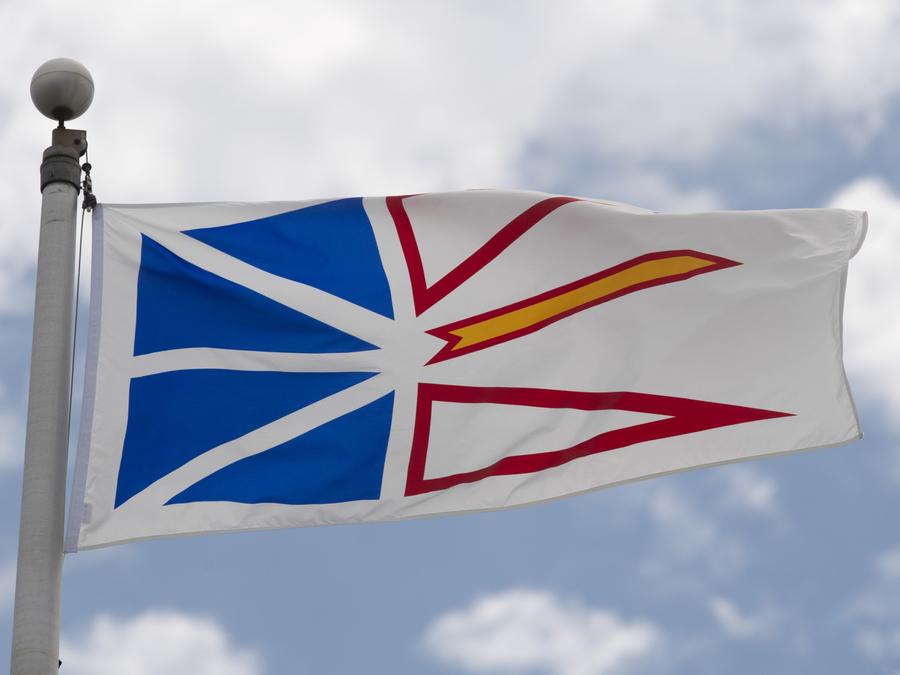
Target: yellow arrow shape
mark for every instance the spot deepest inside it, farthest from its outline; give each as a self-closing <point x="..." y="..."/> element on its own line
<point x="534" y="313"/>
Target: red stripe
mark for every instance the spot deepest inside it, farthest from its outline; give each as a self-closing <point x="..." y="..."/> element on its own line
<point x="425" y="296"/>
<point x="410" y="250"/>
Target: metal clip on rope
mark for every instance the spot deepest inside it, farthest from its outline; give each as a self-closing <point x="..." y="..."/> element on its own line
<point x="88" y="200"/>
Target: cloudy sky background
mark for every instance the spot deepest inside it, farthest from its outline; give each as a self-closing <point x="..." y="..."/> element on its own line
<point x="788" y="564"/>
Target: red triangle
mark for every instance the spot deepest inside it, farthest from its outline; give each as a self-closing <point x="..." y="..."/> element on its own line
<point x="683" y="416"/>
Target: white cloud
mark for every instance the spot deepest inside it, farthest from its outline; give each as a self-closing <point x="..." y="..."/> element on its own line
<point x="652" y="190"/>
<point x="157" y="642"/>
<point x="7" y="585"/>
<point x="12" y="439"/>
<point x="879" y="600"/>
<point x="747" y="489"/>
<point x="12" y="433"/>
<point x="879" y="645"/>
<point x="528" y="630"/>
<point x="874" y="613"/>
<point x="692" y="531"/>
<point x="688" y="75"/>
<point x="689" y="541"/>
<point x="694" y="537"/>
<point x="888" y="564"/>
<point x="871" y="323"/>
<point x="289" y="100"/>
<point x="739" y="624"/>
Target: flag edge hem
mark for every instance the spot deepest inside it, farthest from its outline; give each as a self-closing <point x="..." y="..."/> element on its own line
<point x="82" y="454"/>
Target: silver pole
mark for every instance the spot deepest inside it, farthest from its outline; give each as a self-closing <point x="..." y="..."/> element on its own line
<point x="35" y="639"/>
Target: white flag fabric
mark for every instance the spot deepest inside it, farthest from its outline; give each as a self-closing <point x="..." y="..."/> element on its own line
<point x="306" y="363"/>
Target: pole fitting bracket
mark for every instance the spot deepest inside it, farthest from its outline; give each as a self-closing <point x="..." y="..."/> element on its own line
<point x="60" y="165"/>
<point x="74" y="139"/>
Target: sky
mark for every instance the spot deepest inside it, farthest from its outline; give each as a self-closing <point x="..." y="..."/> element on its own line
<point x="788" y="564"/>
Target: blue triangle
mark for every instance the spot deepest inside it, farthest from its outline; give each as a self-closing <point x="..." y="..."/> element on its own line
<point x="176" y="416"/>
<point x="340" y="461"/>
<point x="330" y="246"/>
<point x="180" y="305"/>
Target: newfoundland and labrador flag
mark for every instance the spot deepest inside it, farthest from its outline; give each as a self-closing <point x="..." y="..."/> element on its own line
<point x="305" y="363"/>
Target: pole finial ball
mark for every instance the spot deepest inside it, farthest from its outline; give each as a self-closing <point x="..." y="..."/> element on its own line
<point x="62" y="89"/>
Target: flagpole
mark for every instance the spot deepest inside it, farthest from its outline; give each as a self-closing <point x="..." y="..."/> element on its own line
<point x="61" y="89"/>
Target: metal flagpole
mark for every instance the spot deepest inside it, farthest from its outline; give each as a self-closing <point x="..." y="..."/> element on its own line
<point x="61" y="89"/>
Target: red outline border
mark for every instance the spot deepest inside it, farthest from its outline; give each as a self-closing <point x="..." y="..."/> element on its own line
<point x="446" y="332"/>
<point x="424" y="296"/>
<point x="685" y="416"/>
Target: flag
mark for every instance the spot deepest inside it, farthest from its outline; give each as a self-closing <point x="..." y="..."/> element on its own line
<point x="346" y="360"/>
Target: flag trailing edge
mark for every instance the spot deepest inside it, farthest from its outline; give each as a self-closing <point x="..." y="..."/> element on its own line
<point x="302" y="363"/>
